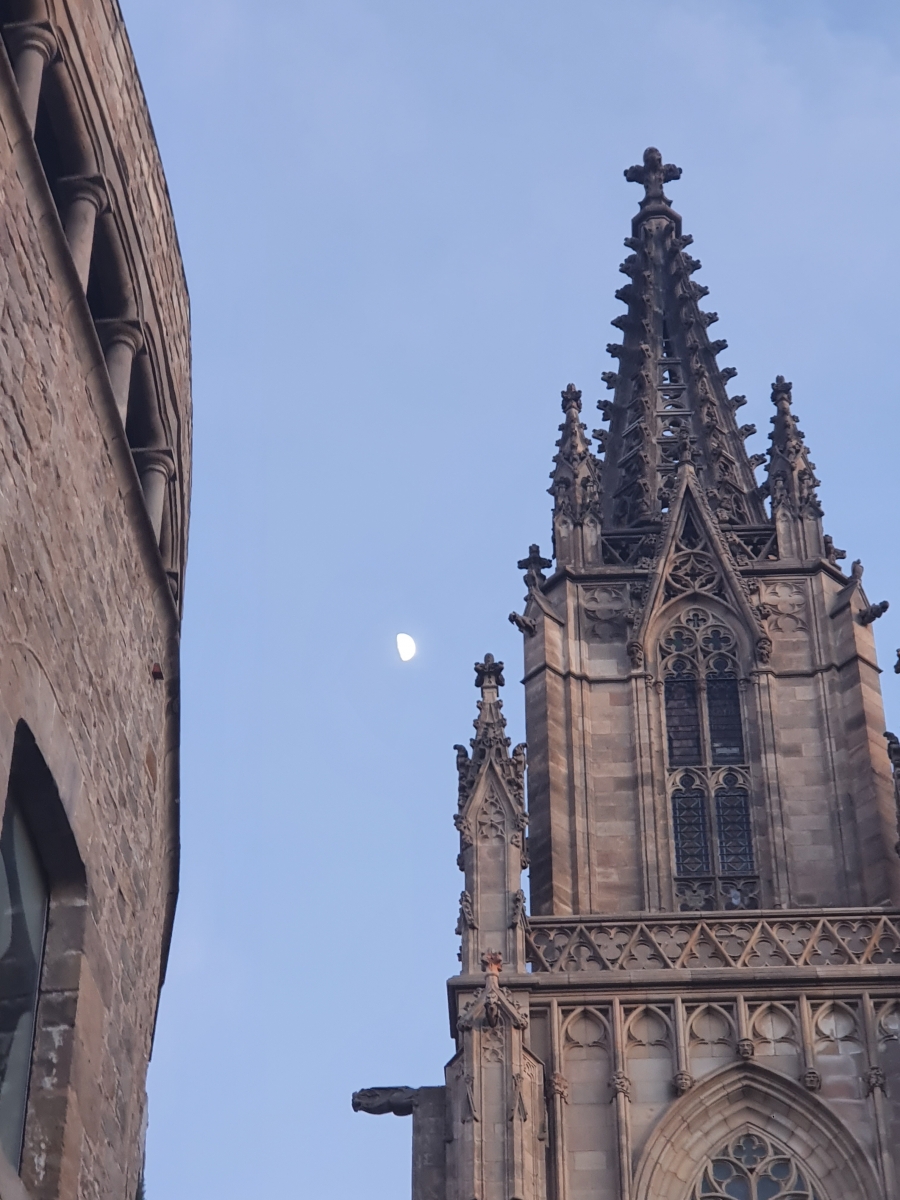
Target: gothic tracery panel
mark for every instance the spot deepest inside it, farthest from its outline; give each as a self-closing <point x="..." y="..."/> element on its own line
<point x="750" y="1167"/>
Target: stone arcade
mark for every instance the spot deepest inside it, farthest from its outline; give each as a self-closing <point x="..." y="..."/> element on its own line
<point x="704" y="1001"/>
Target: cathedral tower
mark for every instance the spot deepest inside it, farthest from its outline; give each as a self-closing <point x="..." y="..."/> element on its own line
<point x="704" y="1000"/>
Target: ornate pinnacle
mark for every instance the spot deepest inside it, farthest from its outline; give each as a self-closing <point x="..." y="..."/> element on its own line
<point x="791" y="480"/>
<point x="653" y="174"/>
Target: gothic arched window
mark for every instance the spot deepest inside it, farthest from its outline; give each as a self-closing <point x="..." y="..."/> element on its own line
<point x="751" y="1168"/>
<point x="23" y="920"/>
<point x="710" y="803"/>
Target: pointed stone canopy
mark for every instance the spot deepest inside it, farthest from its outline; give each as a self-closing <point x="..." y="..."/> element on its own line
<point x="490" y="743"/>
<point x="670" y="400"/>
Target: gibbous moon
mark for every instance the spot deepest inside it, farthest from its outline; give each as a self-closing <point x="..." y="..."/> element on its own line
<point x="406" y="647"/>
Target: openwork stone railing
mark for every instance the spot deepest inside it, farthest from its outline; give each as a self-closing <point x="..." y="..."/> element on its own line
<point x="769" y="940"/>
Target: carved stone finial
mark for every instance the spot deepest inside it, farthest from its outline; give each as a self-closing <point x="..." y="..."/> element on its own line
<point x="571" y="398"/>
<point x="534" y="566"/>
<point x="653" y="174"/>
<point x="489" y="674"/>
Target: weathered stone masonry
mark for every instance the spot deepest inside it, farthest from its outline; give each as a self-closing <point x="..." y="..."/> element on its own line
<point x="94" y="489"/>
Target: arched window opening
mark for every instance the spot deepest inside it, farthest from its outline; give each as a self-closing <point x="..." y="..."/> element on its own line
<point x="689" y="820"/>
<point x="682" y="716"/>
<point x="42" y="910"/>
<point x="715" y="864"/>
<point x="23" y="923"/>
<point x="726" y="735"/>
<point x="752" y="1168"/>
<point x="733" y="826"/>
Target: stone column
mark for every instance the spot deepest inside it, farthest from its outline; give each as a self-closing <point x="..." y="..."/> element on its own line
<point x="155" y="467"/>
<point x="31" y="47"/>
<point x="84" y="198"/>
<point x="121" y="340"/>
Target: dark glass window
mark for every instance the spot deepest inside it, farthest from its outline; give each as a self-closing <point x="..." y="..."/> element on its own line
<point x="682" y="719"/>
<point x="689" y="822"/>
<point x="23" y="920"/>
<point x="726" y="737"/>
<point x="733" y="823"/>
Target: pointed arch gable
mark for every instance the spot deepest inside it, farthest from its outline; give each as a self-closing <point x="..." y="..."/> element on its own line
<point x="689" y="496"/>
<point x="751" y="1096"/>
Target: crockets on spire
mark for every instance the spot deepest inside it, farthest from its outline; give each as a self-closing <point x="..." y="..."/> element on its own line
<point x="791" y="476"/>
<point x="670" y="402"/>
<point x="490" y="743"/>
<point x="575" y="489"/>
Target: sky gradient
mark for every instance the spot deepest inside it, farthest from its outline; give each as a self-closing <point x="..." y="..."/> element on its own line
<point x="401" y="224"/>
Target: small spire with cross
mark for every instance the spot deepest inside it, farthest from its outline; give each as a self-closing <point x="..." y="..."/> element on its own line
<point x="653" y="174"/>
<point x="534" y="566"/>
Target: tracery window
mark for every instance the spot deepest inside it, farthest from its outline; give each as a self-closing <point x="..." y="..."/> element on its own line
<point x="715" y="864"/>
<point x="751" y="1168"/>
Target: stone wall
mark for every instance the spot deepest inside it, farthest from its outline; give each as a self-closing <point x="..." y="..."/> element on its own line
<point x="88" y="622"/>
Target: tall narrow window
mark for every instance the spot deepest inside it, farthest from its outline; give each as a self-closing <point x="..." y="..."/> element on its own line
<point x="711" y="815"/>
<point x="23" y="921"/>
<point x="689" y="821"/>
<point x="726" y="736"/>
<point x="682" y="717"/>
<point x="733" y="824"/>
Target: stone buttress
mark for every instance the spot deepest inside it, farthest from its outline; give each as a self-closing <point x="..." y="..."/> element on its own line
<point x="704" y="1000"/>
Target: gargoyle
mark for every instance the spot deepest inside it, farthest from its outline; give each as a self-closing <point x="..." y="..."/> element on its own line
<point x="397" y="1100"/>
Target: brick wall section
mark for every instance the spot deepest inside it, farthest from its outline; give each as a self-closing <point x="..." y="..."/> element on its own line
<point x="85" y="611"/>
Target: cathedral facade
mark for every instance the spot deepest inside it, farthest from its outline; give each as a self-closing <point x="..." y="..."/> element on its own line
<point x="702" y="999"/>
<point x="95" y="438"/>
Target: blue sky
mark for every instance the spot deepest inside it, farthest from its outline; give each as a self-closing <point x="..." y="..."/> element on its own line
<point x="401" y="223"/>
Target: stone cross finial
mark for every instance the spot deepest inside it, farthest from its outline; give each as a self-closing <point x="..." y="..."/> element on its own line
<point x="534" y="566"/>
<point x="489" y="674"/>
<point x="571" y="396"/>
<point x="653" y="174"/>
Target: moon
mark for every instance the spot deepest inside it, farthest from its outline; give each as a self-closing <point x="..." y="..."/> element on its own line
<point x="406" y="647"/>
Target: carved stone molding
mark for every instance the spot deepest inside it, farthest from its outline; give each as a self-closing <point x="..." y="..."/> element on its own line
<point x="672" y="942"/>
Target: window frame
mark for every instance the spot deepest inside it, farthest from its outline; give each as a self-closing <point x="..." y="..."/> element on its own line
<point x="682" y="655"/>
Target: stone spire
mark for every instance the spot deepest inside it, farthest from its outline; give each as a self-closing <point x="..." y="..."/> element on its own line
<point x="575" y="488"/>
<point x="670" y="401"/>
<point x="791" y="481"/>
<point x="491" y="821"/>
